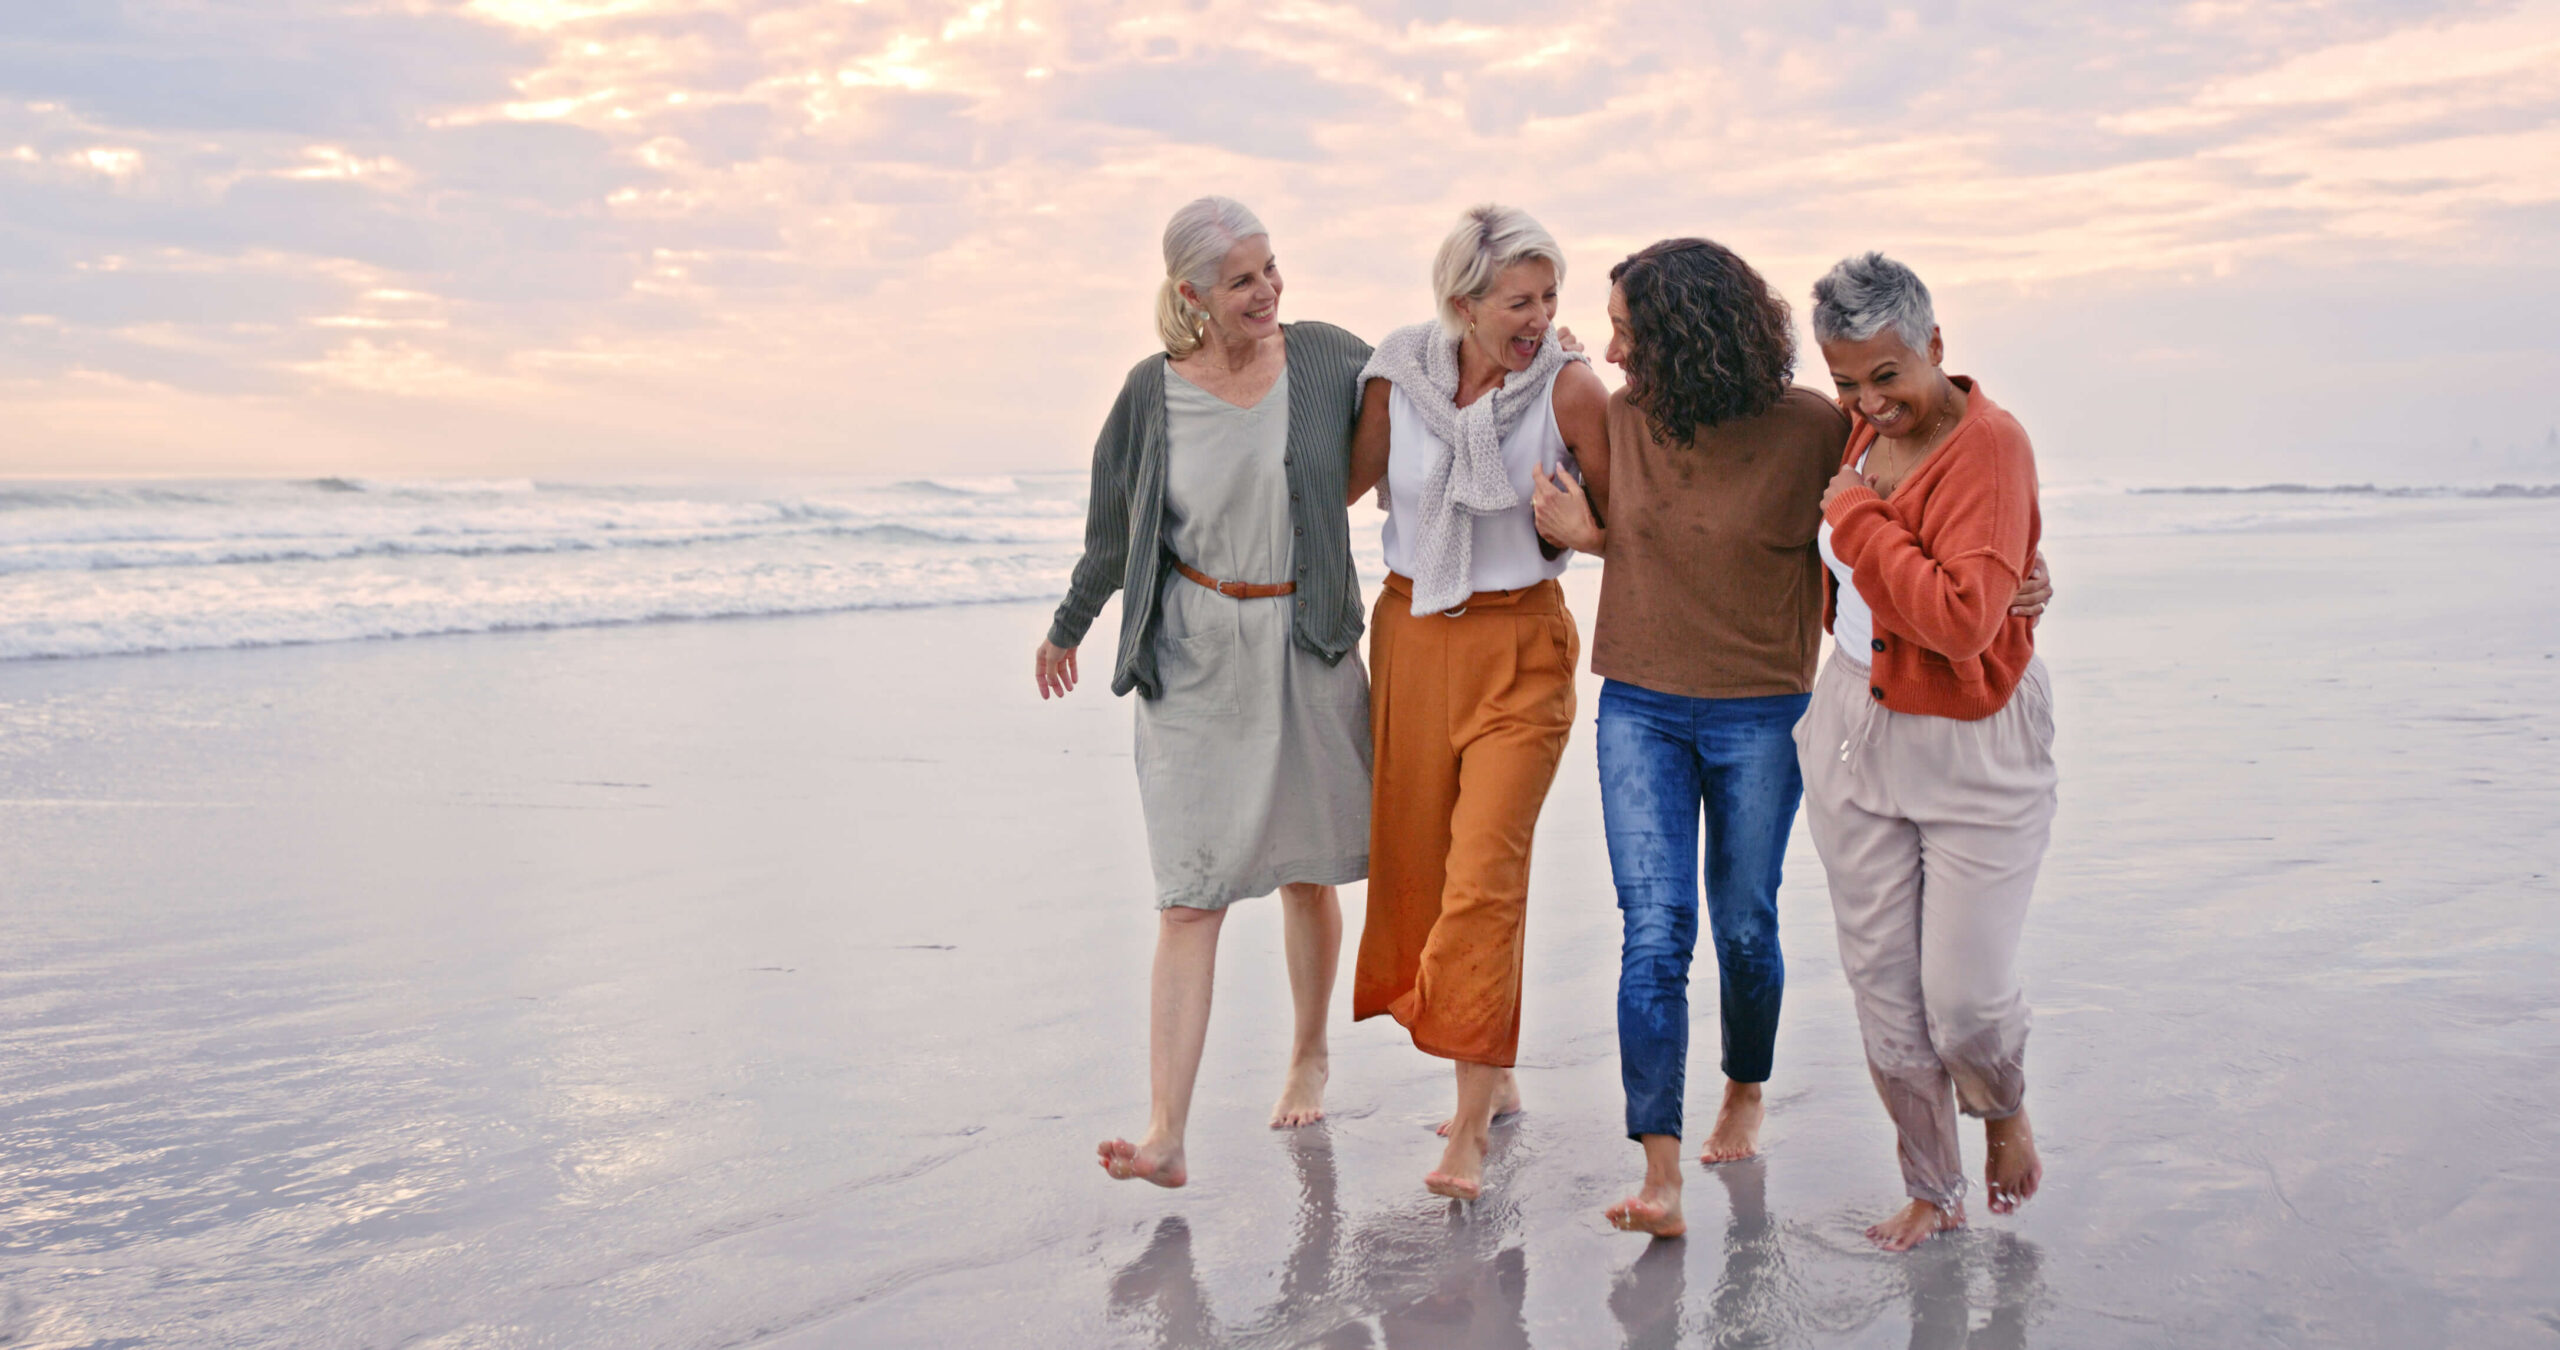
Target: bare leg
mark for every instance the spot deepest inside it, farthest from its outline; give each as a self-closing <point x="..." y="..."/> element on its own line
<point x="1312" y="932"/>
<point x="1460" y="1175"/>
<point x="1737" y="1132"/>
<point x="1506" y="1101"/>
<point x="1177" y="1024"/>
<point x="2014" y="1169"/>
<point x="1914" y="1224"/>
<point x="1656" y="1208"/>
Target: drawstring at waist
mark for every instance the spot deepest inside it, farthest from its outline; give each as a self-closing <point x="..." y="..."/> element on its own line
<point x="1864" y="732"/>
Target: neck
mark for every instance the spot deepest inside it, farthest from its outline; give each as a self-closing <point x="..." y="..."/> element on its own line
<point x="1232" y="352"/>
<point x="1477" y="372"/>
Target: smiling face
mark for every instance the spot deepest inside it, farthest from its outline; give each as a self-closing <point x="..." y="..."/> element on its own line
<point x="1889" y="384"/>
<point x="1508" y="322"/>
<point x="1244" y="302"/>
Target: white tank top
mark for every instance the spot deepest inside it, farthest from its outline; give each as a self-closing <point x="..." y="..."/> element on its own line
<point x="1505" y="555"/>
<point x="1853" y="625"/>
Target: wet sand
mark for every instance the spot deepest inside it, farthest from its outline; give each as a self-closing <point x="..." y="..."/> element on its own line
<point x="769" y="983"/>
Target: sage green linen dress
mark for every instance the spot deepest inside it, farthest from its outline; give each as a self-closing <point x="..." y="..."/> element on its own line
<point x="1253" y="763"/>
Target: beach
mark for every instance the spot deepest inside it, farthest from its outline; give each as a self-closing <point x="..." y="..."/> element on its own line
<point x="769" y="980"/>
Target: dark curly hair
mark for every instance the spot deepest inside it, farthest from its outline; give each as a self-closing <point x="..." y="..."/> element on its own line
<point x="1710" y="341"/>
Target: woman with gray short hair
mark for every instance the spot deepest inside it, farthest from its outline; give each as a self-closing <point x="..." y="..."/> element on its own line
<point x="1927" y="751"/>
<point x="1217" y="510"/>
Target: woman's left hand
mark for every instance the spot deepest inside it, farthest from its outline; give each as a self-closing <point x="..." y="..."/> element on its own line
<point x="1843" y="481"/>
<point x="1564" y="512"/>
<point x="1566" y="340"/>
<point x="2035" y="591"/>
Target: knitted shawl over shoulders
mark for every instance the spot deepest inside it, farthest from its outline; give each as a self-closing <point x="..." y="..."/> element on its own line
<point x="1124" y="547"/>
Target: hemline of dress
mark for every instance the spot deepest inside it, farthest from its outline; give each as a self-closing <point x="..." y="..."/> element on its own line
<point x="1329" y="872"/>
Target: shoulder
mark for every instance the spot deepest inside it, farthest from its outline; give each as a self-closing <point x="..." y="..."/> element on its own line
<point x="1325" y="341"/>
<point x="1810" y="426"/>
<point x="1579" y="392"/>
<point x="1148" y="374"/>
<point x="1996" y="437"/>
<point x="1802" y="407"/>
<point x="1624" y="414"/>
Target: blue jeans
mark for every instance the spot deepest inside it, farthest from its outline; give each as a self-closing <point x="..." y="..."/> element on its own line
<point x="1666" y="762"/>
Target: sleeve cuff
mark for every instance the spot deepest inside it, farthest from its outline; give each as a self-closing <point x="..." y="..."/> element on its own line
<point x="1842" y="506"/>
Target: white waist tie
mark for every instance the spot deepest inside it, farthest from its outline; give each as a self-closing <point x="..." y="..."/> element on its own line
<point x="1865" y="728"/>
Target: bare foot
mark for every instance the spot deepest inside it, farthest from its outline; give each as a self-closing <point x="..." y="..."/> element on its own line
<point x="1148" y="1160"/>
<point x="1506" y="1102"/>
<point x="1914" y="1224"/>
<point x="1460" y="1175"/>
<point x="1737" y="1132"/>
<point x="1655" y="1210"/>
<point x="2014" y="1169"/>
<point x="1302" y="1097"/>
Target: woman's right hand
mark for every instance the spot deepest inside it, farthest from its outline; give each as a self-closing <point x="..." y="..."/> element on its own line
<point x="1563" y="512"/>
<point x="1055" y="669"/>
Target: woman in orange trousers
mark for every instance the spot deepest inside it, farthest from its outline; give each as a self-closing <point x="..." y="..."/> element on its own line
<point x="1471" y="654"/>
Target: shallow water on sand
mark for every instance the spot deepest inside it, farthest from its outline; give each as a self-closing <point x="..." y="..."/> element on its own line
<point x="769" y="982"/>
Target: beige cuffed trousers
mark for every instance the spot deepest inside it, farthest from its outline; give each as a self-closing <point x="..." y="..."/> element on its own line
<point x="1931" y="830"/>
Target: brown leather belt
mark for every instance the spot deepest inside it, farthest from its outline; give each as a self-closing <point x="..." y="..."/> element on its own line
<point x="1238" y="590"/>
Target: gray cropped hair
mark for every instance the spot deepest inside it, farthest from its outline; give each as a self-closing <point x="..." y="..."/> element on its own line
<point x="1487" y="240"/>
<point x="1862" y="296"/>
<point x="1196" y="243"/>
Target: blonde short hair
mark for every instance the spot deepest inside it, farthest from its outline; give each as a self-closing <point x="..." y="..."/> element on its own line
<point x="1488" y="240"/>
<point x="1196" y="242"/>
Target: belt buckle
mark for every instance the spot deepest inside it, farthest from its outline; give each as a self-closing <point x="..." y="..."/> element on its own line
<point x="1453" y="613"/>
<point x="1233" y="590"/>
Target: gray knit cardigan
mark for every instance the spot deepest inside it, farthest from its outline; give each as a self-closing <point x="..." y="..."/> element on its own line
<point x="1124" y="516"/>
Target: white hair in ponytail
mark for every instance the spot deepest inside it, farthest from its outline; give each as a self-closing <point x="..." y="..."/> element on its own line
<point x="1196" y="241"/>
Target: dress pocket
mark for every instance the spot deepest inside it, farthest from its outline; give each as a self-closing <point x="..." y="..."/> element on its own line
<point x="2037" y="686"/>
<point x="1344" y="684"/>
<point x="1197" y="674"/>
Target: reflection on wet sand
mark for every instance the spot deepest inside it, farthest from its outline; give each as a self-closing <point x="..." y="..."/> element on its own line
<point x="1434" y="1277"/>
<point x="1943" y="1276"/>
<point x="1456" y="1278"/>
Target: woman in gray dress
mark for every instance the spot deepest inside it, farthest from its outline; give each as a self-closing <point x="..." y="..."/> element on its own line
<point x="1218" y="506"/>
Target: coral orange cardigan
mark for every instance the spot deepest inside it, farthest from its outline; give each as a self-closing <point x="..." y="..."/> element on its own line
<point x="1939" y="561"/>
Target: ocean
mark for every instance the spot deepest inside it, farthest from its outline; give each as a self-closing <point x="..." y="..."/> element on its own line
<point x="110" y="567"/>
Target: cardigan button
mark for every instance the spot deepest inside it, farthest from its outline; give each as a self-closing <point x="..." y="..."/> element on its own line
<point x="1877" y="690"/>
<point x="1877" y="643"/>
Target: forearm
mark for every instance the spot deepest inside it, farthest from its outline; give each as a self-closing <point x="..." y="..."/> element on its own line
<point x="1954" y="608"/>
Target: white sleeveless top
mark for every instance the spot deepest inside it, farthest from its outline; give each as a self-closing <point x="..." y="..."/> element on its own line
<point x="1505" y="553"/>
<point x="1853" y="625"/>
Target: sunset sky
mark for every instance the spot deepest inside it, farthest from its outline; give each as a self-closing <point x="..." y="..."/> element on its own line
<point x="589" y="238"/>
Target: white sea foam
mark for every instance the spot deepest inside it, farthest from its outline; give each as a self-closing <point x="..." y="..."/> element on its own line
<point x="97" y="569"/>
<point x="90" y="569"/>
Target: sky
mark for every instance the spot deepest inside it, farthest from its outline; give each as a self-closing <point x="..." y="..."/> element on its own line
<point x="2211" y="241"/>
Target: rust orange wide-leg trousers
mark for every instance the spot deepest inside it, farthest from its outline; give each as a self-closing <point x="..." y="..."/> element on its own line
<point x="1468" y="714"/>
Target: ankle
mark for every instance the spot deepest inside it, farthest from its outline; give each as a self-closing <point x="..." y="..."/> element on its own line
<point x="1741" y="1092"/>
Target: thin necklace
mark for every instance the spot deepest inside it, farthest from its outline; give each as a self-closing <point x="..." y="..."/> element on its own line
<point x="1925" y="440"/>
